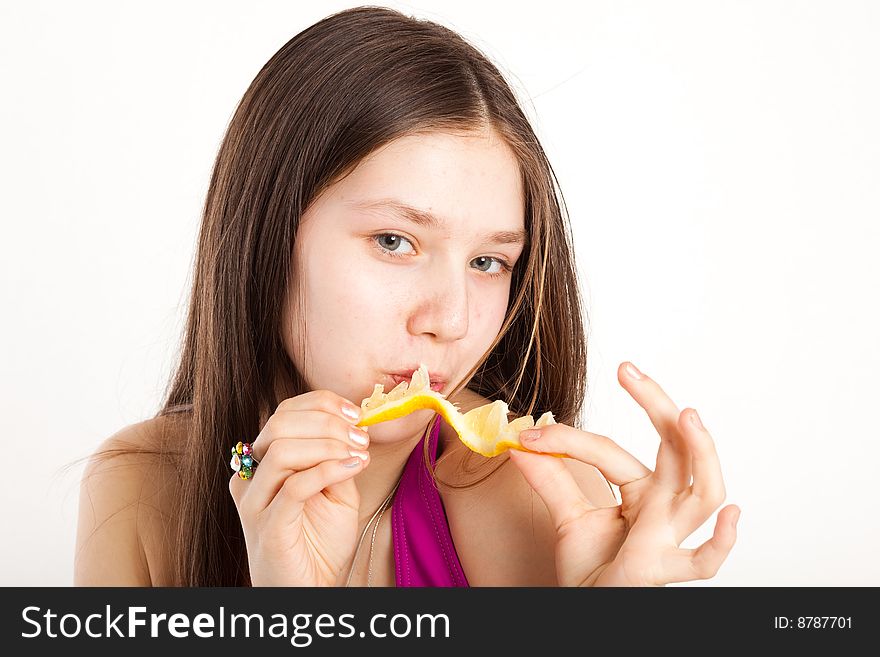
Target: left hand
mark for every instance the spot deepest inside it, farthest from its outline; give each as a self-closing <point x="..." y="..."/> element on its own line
<point x="636" y="543"/>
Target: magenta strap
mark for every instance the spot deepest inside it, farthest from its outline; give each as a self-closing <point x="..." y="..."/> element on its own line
<point x="424" y="554"/>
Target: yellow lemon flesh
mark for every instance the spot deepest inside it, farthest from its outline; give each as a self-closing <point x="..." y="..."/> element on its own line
<point x="484" y="429"/>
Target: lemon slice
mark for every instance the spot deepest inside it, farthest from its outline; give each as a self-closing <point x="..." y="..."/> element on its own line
<point x="484" y="429"/>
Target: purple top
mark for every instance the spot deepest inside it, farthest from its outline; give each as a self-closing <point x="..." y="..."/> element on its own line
<point x="424" y="554"/>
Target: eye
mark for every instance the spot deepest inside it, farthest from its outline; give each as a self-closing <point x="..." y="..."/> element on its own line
<point x="393" y="242"/>
<point x="392" y="249"/>
<point x="503" y="267"/>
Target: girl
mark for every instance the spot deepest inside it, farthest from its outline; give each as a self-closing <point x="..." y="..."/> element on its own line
<point x="380" y="201"/>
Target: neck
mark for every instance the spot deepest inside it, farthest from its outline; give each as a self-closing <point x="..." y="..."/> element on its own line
<point x="378" y="482"/>
<point x="388" y="456"/>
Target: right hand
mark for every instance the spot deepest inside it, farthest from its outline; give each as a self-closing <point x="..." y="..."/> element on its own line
<point x="299" y="511"/>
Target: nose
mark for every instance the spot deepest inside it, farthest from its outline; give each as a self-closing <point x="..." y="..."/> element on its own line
<point x="441" y="307"/>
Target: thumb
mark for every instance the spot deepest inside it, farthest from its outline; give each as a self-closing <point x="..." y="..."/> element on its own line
<point x="553" y="482"/>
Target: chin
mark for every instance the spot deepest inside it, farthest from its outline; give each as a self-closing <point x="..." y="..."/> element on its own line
<point x="401" y="428"/>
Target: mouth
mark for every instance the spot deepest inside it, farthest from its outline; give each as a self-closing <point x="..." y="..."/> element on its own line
<point x="437" y="385"/>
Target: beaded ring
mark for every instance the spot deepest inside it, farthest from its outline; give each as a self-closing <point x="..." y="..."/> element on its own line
<point x="243" y="461"/>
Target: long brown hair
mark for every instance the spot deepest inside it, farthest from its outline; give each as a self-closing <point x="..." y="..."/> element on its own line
<point x="329" y="97"/>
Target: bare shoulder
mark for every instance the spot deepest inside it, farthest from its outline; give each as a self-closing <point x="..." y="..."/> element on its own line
<point x="502" y="530"/>
<point x="123" y="507"/>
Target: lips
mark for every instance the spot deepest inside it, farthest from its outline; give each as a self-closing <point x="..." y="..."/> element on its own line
<point x="436" y="386"/>
<point x="437" y="383"/>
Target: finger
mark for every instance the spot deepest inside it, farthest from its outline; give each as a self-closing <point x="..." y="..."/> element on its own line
<point x="287" y="456"/>
<point x="303" y="408"/>
<point x="704" y="561"/>
<point x="237" y="488"/>
<point x="673" y="467"/>
<point x="708" y="481"/>
<point x="308" y="424"/>
<point x="619" y="466"/>
<point x="554" y="484"/>
<point x="327" y="476"/>
<point x="707" y="492"/>
<point x="323" y="400"/>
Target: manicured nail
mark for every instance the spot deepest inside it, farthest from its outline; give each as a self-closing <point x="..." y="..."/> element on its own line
<point x="632" y="371"/>
<point x="351" y="412"/>
<point x="356" y="452"/>
<point x="695" y="419"/>
<point x="353" y="462"/>
<point x="358" y="437"/>
<point x="529" y="434"/>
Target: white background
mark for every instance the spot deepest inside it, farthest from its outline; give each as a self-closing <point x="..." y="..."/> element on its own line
<point x="720" y="162"/>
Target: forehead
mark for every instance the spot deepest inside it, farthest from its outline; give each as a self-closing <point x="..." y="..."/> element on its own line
<point x="469" y="182"/>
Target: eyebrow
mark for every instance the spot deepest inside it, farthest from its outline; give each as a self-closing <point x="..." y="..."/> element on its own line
<point x="428" y="220"/>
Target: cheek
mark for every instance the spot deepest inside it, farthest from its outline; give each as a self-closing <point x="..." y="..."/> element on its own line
<point x="357" y="297"/>
<point x="334" y="295"/>
<point x="488" y="313"/>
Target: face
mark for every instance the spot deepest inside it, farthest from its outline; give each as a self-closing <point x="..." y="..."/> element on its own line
<point x="385" y="288"/>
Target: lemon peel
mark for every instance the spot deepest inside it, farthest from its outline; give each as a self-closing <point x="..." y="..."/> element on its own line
<point x="483" y="429"/>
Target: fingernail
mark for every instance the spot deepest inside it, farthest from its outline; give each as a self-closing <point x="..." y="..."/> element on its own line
<point x="632" y="371"/>
<point x="357" y="437"/>
<point x="695" y="419"/>
<point x="356" y="452"/>
<point x="351" y="412"/>
<point x="529" y="434"/>
<point x="353" y="462"/>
